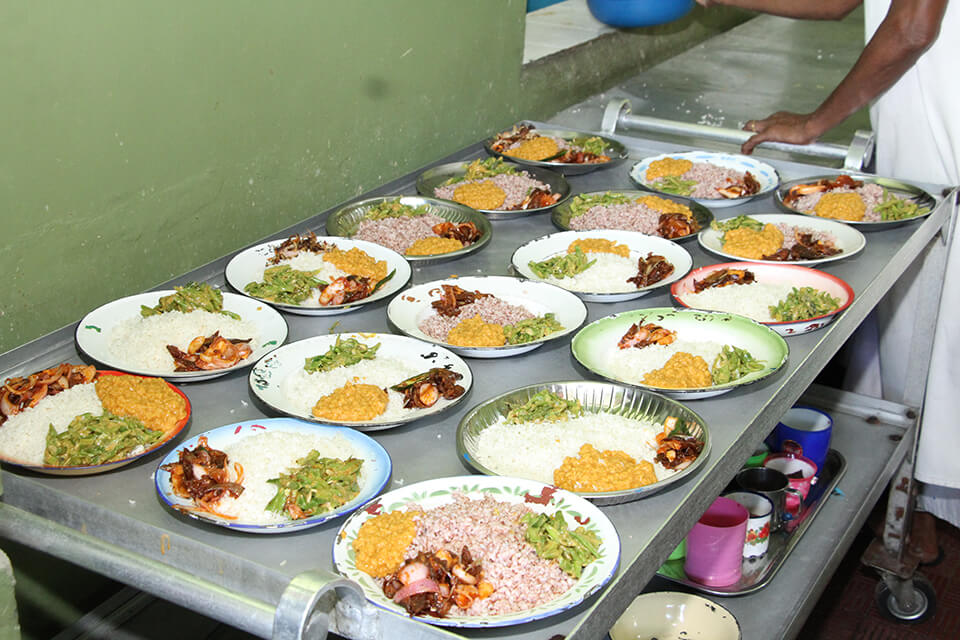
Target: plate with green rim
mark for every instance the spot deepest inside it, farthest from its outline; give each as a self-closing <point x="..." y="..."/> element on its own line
<point x="566" y="211"/>
<point x="596" y="347"/>
<point x="538" y="497"/>
<point x="595" y="398"/>
<point x="344" y="222"/>
<point x="611" y="148"/>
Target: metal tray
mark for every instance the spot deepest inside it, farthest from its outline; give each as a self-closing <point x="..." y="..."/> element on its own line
<point x="758" y="572"/>
<point x="617" y="152"/>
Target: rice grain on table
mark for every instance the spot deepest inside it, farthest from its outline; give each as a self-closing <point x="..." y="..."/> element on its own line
<point x="533" y="450"/>
<point x="632" y="216"/>
<point x="515" y="187"/>
<point x="141" y="343"/>
<point x="608" y="274"/>
<point x="304" y="389"/>
<point x="491" y="310"/>
<point x="492" y="531"/>
<point x="267" y="455"/>
<point x="399" y="233"/>
<point x="631" y="365"/>
<point x="751" y="300"/>
<point x="870" y="193"/>
<point x="23" y="437"/>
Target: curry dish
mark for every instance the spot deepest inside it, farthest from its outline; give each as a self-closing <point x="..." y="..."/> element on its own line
<point x="150" y="400"/>
<point x="603" y="471"/>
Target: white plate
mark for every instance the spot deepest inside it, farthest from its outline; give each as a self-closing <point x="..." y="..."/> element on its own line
<point x="93" y="333"/>
<point x="406" y="310"/>
<point x="267" y="378"/>
<point x="434" y="493"/>
<point x="248" y="266"/>
<point x="376" y="470"/>
<point x="777" y="273"/>
<point x="848" y="239"/>
<point x="766" y="175"/>
<point x="640" y="245"/>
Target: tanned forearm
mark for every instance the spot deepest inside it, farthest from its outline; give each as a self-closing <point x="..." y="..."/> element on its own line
<point x="805" y="9"/>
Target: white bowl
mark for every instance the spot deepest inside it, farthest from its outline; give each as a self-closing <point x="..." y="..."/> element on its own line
<point x="671" y="615"/>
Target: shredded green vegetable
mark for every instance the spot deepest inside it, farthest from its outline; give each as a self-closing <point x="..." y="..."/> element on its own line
<point x="674" y="185"/>
<point x="343" y="353"/>
<point x="584" y="202"/>
<point x="804" y="303"/>
<point x="285" y="285"/>
<point x="190" y="297"/>
<point x="486" y="168"/>
<point x="732" y="363"/>
<point x="545" y="406"/>
<point x="593" y="144"/>
<point x="316" y="485"/>
<point x="531" y="329"/>
<point x="553" y="539"/>
<point x="894" y="208"/>
<point x="90" y="440"/>
<point x="395" y="209"/>
<point x="564" y="265"/>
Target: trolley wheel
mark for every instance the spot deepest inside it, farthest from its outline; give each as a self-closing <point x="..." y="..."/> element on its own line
<point x="925" y="601"/>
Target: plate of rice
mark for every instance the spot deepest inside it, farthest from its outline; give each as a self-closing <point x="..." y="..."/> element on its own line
<point x="605" y="442"/>
<point x="860" y="200"/>
<point x="367" y="381"/>
<point x="787" y="298"/>
<point x="474" y="532"/>
<point x="83" y="421"/>
<point x="123" y="335"/>
<point x="422" y="230"/>
<point x="782" y="237"/>
<point x="487" y="316"/>
<point x="272" y="476"/>
<point x="498" y="189"/>
<point x="681" y="353"/>
<point x="711" y="178"/>
<point x="313" y="276"/>
<point x="602" y="266"/>
<point x="567" y="152"/>
<point x="670" y="217"/>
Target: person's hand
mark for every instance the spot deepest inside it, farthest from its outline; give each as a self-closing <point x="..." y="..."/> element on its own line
<point x="783" y="126"/>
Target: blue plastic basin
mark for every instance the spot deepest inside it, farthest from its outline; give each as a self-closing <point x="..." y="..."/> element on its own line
<point x="639" y="13"/>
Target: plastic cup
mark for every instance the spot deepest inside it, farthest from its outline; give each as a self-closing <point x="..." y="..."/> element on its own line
<point x="808" y="427"/>
<point x="715" y="544"/>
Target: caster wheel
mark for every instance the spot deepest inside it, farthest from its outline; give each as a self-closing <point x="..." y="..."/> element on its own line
<point x="925" y="602"/>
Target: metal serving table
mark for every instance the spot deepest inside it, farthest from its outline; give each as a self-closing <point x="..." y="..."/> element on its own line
<point x="271" y="585"/>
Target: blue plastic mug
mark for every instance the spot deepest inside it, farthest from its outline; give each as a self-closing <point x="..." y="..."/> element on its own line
<point x="810" y="428"/>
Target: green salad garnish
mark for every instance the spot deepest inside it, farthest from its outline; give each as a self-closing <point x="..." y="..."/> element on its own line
<point x="732" y="363"/>
<point x="285" y="285"/>
<point x="190" y="297"/>
<point x="552" y="538"/>
<point x="545" y="406"/>
<point x="531" y="329"/>
<point x="584" y="202"/>
<point x="486" y="168"/>
<point x="894" y="208"/>
<point x="564" y="265"/>
<point x="395" y="209"/>
<point x="90" y="440"/>
<point x="675" y="185"/>
<point x="316" y="485"/>
<point x="593" y="144"/>
<point x="804" y="303"/>
<point x="343" y="353"/>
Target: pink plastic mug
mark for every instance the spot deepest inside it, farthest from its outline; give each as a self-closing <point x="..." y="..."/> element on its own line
<point x="793" y="463"/>
<point x="715" y="544"/>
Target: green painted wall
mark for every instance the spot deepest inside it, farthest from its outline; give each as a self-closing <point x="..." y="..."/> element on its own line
<point x="142" y="139"/>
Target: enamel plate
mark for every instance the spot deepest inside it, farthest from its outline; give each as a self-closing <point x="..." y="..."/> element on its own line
<point x="596" y="346"/>
<point x="374" y="473"/>
<point x="280" y="381"/>
<point x="613" y="149"/>
<point x="89" y="470"/>
<point x="564" y="213"/>
<point x="846" y="238"/>
<point x="766" y="175"/>
<point x="94" y="334"/>
<point x="344" y="222"/>
<point x="409" y="309"/>
<point x="769" y="274"/>
<point x="539" y="497"/>
<point x="617" y="290"/>
<point x="596" y="398"/>
<point x="248" y="266"/>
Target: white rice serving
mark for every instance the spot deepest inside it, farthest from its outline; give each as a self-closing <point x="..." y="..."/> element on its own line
<point x="141" y="343"/>
<point x="267" y="455"/>
<point x="23" y="437"/>
<point x="608" y="274"/>
<point x="751" y="300"/>
<point x="533" y="450"/>
<point x="631" y="365"/>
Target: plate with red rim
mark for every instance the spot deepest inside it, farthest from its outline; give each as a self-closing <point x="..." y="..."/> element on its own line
<point x="88" y="470"/>
<point x="773" y="274"/>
